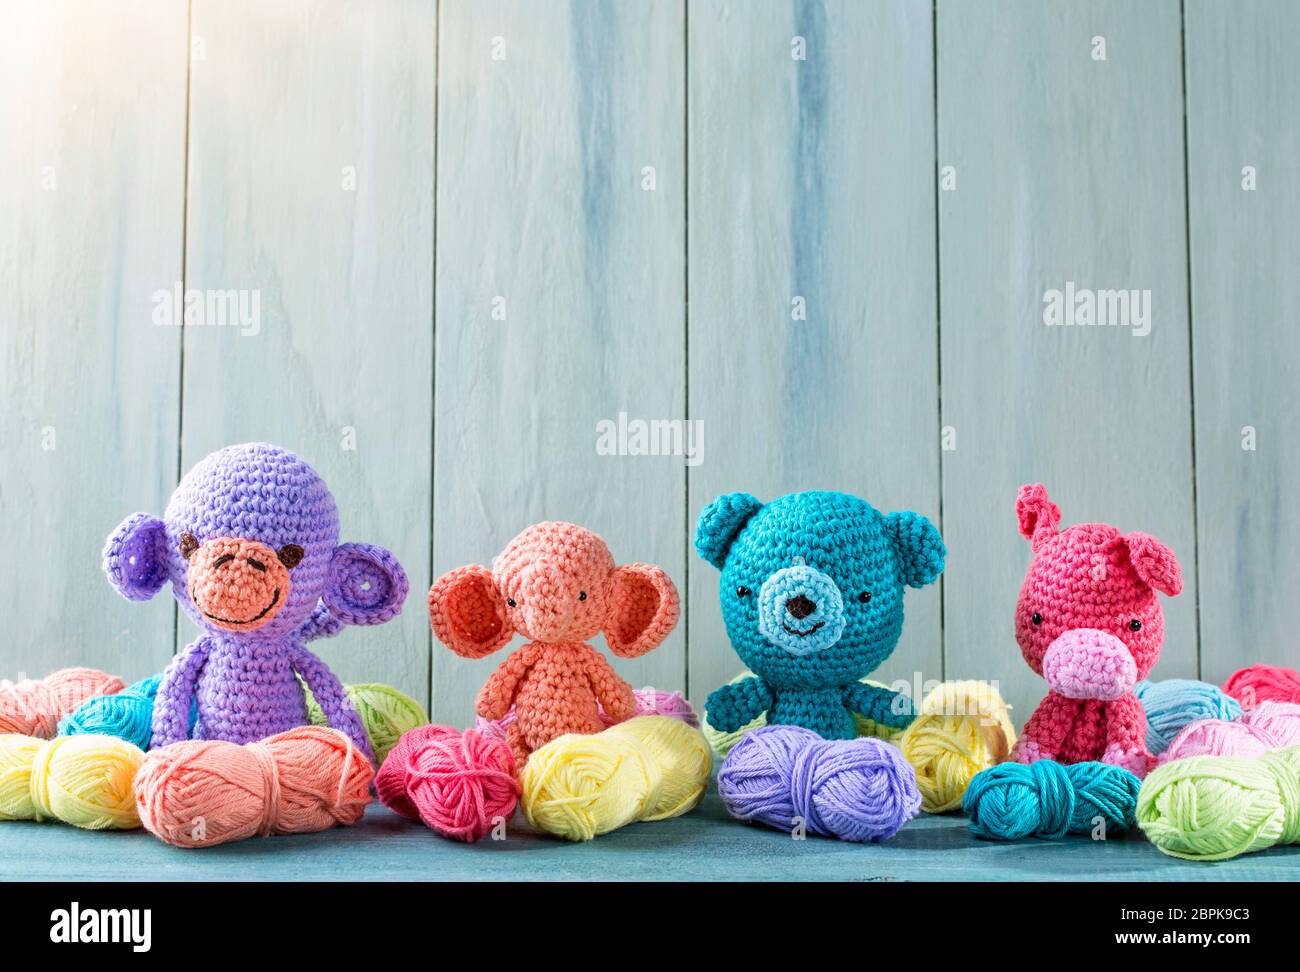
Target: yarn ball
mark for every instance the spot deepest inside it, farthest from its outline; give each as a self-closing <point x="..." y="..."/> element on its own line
<point x="854" y="789"/>
<point x="458" y="784"/>
<point x="647" y="701"/>
<point x="1263" y="683"/>
<point x="33" y="707"/>
<point x="81" y="780"/>
<point x="723" y="741"/>
<point x="1049" y="800"/>
<point x="385" y="713"/>
<point x="1268" y="726"/>
<point x="962" y="728"/>
<point x="647" y="768"/>
<point x="202" y="793"/>
<point x="127" y="715"/>
<point x="1174" y="703"/>
<point x="1211" y="808"/>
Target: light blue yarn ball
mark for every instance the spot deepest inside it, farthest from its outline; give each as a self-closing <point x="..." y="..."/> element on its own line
<point x="1173" y="703"/>
<point x="127" y="715"/>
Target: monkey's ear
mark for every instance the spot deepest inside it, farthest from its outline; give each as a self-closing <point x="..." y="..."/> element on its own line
<point x="366" y="584"/>
<point x="135" y="557"/>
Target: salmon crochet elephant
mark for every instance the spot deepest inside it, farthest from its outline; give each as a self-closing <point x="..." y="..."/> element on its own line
<point x="557" y="585"/>
<point x="1089" y="622"/>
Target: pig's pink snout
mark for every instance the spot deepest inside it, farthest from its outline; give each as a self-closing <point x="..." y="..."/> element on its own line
<point x="1084" y="663"/>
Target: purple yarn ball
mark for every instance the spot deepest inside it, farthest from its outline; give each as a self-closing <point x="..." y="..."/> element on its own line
<point x="854" y="789"/>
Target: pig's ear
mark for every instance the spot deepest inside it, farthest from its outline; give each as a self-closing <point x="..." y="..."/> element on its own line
<point x="467" y="612"/>
<point x="1155" y="563"/>
<point x="1036" y="514"/>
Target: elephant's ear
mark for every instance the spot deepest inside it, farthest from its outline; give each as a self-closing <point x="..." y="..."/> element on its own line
<point x="135" y="557"/>
<point x="467" y="612"/>
<point x="918" y="545"/>
<point x="720" y="524"/>
<point x="643" y="610"/>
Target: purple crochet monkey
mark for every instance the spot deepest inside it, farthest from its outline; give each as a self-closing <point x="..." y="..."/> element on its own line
<point x="250" y="544"/>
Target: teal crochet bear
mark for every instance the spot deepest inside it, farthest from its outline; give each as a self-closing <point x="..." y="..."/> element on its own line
<point x="812" y="596"/>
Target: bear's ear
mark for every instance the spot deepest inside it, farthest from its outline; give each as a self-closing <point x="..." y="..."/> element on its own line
<point x="720" y="523"/>
<point x="919" y="547"/>
<point x="1155" y="563"/>
<point x="1036" y="515"/>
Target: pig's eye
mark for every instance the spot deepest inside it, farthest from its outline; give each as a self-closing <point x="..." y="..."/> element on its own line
<point x="511" y="601"/>
<point x="582" y="595"/>
<point x="1037" y="618"/>
<point x="1135" y="625"/>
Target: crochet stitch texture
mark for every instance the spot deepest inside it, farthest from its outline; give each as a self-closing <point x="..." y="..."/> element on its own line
<point x="1089" y="622"/>
<point x="812" y="597"/>
<point x="250" y="545"/>
<point x="556" y="584"/>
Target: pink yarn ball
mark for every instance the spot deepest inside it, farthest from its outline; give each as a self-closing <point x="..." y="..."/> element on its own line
<point x="1268" y="726"/>
<point x="459" y="784"/>
<point x="648" y="702"/>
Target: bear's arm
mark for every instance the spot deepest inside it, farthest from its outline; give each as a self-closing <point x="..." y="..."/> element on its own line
<point x="879" y="705"/>
<point x="738" y="704"/>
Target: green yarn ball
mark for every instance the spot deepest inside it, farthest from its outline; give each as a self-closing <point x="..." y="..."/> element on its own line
<point x="385" y="712"/>
<point x="722" y="742"/>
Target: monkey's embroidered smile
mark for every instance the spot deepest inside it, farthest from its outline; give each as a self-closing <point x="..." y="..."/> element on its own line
<point x="275" y="599"/>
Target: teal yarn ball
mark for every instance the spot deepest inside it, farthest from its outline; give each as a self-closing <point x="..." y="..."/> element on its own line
<point x="1174" y="703"/>
<point x="1044" y="799"/>
<point x="127" y="715"/>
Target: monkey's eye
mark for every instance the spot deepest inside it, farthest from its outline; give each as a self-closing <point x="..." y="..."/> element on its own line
<point x="1037" y="618"/>
<point x="864" y="597"/>
<point x="511" y="602"/>
<point x="742" y="591"/>
<point x="1135" y="625"/>
<point x="582" y="595"/>
<point x="290" y="555"/>
<point x="189" y="543"/>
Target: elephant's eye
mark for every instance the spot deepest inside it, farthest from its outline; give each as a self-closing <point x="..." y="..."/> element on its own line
<point x="189" y="544"/>
<point x="1135" y="625"/>
<point x="511" y="602"/>
<point x="582" y="595"/>
<point x="1037" y="618"/>
<point x="742" y="591"/>
<point x="865" y="597"/>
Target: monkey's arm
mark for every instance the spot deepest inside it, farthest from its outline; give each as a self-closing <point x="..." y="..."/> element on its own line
<point x="882" y="706"/>
<point x="321" y="624"/>
<point x="614" y="694"/>
<point x="738" y="704"/>
<point x="498" y="693"/>
<point x="331" y="698"/>
<point x="171" y="707"/>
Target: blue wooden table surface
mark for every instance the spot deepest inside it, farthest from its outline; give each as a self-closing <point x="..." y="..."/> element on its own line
<point x="703" y="845"/>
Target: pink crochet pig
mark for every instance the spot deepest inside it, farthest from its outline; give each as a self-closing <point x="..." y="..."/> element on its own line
<point x="1089" y="622"/>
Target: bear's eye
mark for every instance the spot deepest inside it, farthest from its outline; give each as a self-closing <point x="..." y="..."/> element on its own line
<point x="1037" y="618"/>
<point x="742" y="591"/>
<point x="864" y="597"/>
<point x="511" y="602"/>
<point x="582" y="595"/>
<point x="1135" y="625"/>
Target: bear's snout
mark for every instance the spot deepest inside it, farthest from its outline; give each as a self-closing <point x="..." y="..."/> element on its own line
<point x="800" y="610"/>
<point x="1084" y="663"/>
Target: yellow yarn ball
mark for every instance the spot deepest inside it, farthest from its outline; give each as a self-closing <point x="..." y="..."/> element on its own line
<point x="962" y="728"/>
<point x="722" y="742"/>
<point x="647" y="768"/>
<point x="1211" y="808"/>
<point x="384" y="712"/>
<point x="85" y="780"/>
